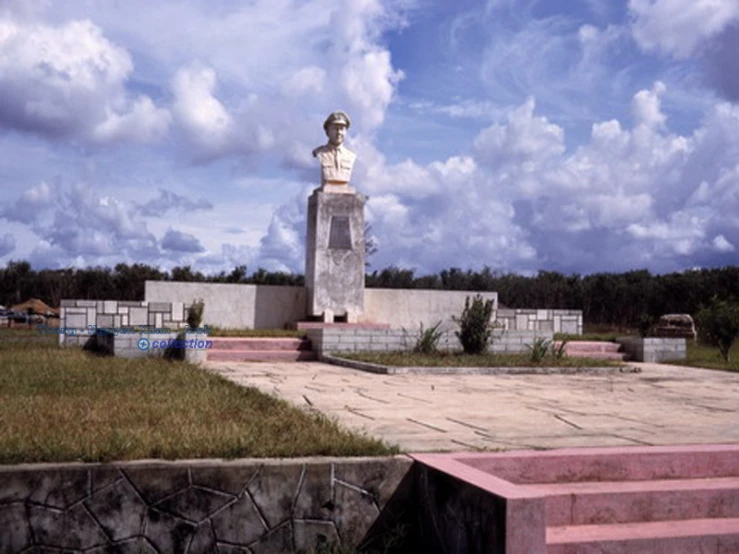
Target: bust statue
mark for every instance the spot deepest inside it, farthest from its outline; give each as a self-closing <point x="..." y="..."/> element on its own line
<point x="336" y="159"/>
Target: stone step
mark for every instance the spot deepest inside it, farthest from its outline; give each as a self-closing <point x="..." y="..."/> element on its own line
<point x="661" y="537"/>
<point x="608" y="502"/>
<point x="260" y="343"/>
<point x="598" y="350"/>
<point x="618" y="356"/>
<point x="590" y="346"/>
<point x="261" y="355"/>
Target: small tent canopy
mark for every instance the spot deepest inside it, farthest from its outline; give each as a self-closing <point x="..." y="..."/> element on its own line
<point x="35" y="306"/>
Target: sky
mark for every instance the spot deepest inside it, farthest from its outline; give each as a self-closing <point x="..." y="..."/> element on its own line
<point x="577" y="136"/>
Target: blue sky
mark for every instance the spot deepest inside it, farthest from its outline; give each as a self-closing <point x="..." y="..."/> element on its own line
<point x="577" y="136"/>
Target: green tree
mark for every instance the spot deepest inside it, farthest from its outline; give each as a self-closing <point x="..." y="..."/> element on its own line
<point x="718" y="325"/>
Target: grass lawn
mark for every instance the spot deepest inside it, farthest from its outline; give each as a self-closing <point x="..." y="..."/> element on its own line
<point x="700" y="355"/>
<point x="456" y="359"/>
<point x="67" y="405"/>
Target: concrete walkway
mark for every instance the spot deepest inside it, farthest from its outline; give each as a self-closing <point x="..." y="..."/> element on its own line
<point x="662" y="405"/>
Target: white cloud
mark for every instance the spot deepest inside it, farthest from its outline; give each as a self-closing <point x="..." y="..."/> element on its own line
<point x="30" y="206"/>
<point x="646" y="106"/>
<point x="144" y="122"/>
<point x="180" y="242"/>
<point x="307" y="80"/>
<point x="69" y="81"/>
<point x="680" y="27"/>
<point x="171" y="201"/>
<point x="722" y="245"/>
<point x="202" y="116"/>
<point x="283" y="246"/>
<point x="7" y="244"/>
<point x="705" y="30"/>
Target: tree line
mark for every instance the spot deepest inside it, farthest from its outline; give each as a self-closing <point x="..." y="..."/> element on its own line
<point x="619" y="299"/>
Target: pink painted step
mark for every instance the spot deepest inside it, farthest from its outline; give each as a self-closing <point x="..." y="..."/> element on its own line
<point x="304" y="325"/>
<point x="695" y="536"/>
<point x="260" y="343"/>
<point x="258" y="349"/>
<point x="633" y="463"/>
<point x="599" y="350"/>
<point x="261" y="355"/>
<point x="608" y="502"/>
<point x="617" y="500"/>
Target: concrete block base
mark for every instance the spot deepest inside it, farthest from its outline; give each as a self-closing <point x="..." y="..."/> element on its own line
<point x="334" y="266"/>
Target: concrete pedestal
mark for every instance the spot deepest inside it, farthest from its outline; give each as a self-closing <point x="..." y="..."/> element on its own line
<point x="334" y="266"/>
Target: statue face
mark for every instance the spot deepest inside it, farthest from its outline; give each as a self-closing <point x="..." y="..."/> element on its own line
<point x="336" y="133"/>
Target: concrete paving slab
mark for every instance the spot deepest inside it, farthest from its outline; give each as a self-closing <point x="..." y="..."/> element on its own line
<point x="661" y="405"/>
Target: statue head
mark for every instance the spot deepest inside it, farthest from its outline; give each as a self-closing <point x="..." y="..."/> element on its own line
<point x="335" y="126"/>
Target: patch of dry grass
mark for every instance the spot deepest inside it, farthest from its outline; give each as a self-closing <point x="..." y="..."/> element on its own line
<point x="67" y="405"/>
<point x="701" y="355"/>
<point x="457" y="359"/>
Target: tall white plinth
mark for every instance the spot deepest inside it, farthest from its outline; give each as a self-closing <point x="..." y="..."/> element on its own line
<point x="334" y="261"/>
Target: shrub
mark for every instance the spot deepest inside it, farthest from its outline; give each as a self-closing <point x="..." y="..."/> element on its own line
<point x="718" y="325"/>
<point x="428" y="339"/>
<point x="195" y="314"/>
<point x="475" y="330"/>
<point x="539" y="349"/>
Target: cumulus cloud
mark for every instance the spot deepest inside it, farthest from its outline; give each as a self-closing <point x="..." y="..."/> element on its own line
<point x="180" y="242"/>
<point x="722" y="245"/>
<point x="634" y="194"/>
<point x="202" y="116"/>
<point x="69" y="81"/>
<point x="522" y="141"/>
<point x="646" y="106"/>
<point x="321" y="58"/>
<point x="707" y="30"/>
<point x="283" y="246"/>
<point x="171" y="201"/>
<point x="30" y="206"/>
<point x="680" y="27"/>
<point x="7" y="244"/>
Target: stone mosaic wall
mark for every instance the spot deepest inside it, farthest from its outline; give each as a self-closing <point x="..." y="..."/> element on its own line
<point x="243" y="506"/>
<point x="553" y="321"/>
<point x="81" y="314"/>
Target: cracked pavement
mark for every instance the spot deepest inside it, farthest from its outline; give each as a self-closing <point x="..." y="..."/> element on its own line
<point x="661" y="405"/>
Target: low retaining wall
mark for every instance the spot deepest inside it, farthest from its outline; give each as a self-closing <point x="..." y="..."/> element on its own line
<point x="235" y="306"/>
<point x="327" y="340"/>
<point x="408" y="308"/>
<point x="653" y="350"/>
<point x="239" y="306"/>
<point x="267" y="506"/>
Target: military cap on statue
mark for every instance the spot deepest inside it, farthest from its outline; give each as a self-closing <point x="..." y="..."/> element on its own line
<point x="337" y="117"/>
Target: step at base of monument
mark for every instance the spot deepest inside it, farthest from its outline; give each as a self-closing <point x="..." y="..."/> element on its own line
<point x="261" y="356"/>
<point x="260" y="343"/>
<point x="660" y="537"/>
<point x="260" y="349"/>
<point x="305" y="325"/>
<point x="612" y="502"/>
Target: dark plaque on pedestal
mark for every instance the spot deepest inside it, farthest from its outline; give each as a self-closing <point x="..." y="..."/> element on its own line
<point x="340" y="235"/>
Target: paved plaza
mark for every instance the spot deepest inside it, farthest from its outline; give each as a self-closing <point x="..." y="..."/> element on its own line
<point x="661" y="405"/>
